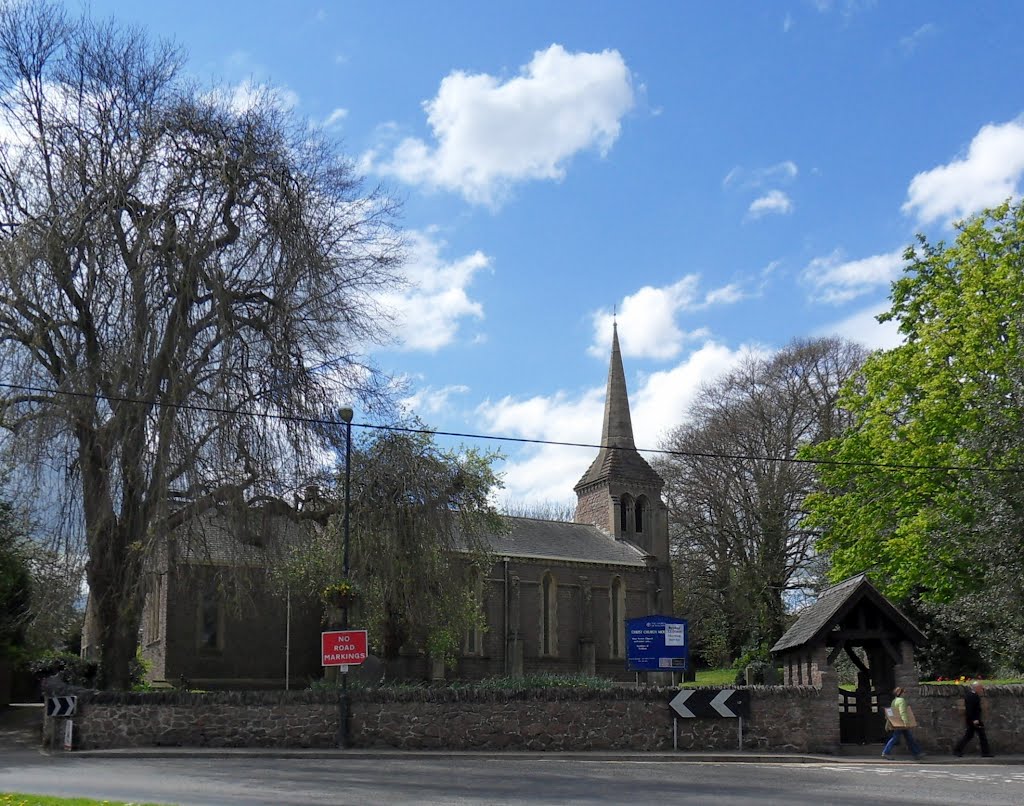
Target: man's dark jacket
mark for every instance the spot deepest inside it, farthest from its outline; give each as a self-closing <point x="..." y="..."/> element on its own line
<point x="972" y="707"/>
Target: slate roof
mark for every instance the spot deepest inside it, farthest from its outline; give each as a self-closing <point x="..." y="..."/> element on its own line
<point x="833" y="603"/>
<point x="564" y="542"/>
<point x="215" y="539"/>
<point x="218" y="538"/>
<point x="620" y="463"/>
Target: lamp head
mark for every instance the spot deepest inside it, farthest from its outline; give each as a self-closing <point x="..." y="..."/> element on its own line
<point x="346" y="414"/>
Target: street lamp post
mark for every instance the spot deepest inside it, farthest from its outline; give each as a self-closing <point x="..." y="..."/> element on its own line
<point x="343" y="702"/>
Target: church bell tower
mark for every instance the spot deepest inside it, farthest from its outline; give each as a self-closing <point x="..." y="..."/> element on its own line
<point x="621" y="493"/>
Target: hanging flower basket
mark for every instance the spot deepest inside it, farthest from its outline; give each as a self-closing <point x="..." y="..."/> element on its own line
<point x="340" y="594"/>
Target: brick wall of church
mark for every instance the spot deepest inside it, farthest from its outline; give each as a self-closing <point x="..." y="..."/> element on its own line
<point x="253" y="645"/>
<point x="571" y="580"/>
<point x="594" y="506"/>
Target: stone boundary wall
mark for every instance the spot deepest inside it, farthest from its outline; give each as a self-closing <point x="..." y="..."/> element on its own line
<point x="783" y="719"/>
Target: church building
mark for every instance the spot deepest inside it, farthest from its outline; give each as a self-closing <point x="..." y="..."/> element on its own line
<point x="555" y="599"/>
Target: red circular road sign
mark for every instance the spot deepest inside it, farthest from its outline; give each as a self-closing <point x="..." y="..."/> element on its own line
<point x="343" y="647"/>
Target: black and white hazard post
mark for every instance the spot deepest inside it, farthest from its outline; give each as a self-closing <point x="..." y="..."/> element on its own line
<point x="706" y="703"/>
<point x="62" y="708"/>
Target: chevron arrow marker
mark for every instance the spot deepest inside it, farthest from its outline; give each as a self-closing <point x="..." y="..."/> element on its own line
<point x="678" y="704"/>
<point x="718" y="703"/>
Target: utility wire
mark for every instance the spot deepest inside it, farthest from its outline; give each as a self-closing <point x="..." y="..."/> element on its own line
<point x="519" y="440"/>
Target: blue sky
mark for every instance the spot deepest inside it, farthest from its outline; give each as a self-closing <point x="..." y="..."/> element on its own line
<point x="727" y="176"/>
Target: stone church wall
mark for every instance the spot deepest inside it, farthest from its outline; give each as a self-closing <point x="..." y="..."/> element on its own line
<point x="783" y="719"/>
<point x="251" y="649"/>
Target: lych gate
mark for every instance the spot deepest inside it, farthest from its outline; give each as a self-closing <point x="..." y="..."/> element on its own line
<point x="854" y="619"/>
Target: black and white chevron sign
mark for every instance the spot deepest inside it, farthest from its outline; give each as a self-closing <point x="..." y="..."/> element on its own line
<point x="702" y="702"/>
<point x="61" y="706"/>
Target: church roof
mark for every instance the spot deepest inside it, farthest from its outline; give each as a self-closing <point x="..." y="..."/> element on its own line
<point x="618" y="456"/>
<point x="250" y="539"/>
<point x="817" y="619"/>
<point x="562" y="541"/>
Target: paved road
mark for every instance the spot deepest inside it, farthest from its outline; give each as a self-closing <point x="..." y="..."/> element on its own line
<point x="410" y="779"/>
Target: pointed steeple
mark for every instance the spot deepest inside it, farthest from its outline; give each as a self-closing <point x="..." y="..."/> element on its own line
<point x="618" y="427"/>
<point x="618" y="458"/>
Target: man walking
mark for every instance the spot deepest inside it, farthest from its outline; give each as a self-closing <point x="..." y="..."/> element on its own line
<point x="972" y="716"/>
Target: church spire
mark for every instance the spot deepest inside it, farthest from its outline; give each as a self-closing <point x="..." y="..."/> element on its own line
<point x="618" y="459"/>
<point x="617" y="431"/>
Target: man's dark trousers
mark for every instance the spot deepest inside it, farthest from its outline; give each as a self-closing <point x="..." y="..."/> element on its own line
<point x="972" y="715"/>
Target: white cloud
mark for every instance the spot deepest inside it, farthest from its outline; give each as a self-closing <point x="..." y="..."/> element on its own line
<point x="248" y="94"/>
<point x="835" y="281"/>
<point x="429" y="401"/>
<point x="726" y="295"/>
<point x="779" y="173"/>
<point x="490" y="134"/>
<point x="863" y="327"/>
<point x="548" y="472"/>
<point x="847" y="8"/>
<point x="647" y="320"/>
<point x="428" y="313"/>
<point x="787" y="23"/>
<point x="775" y="201"/>
<point x="988" y="175"/>
<point x="909" y="43"/>
<point x="335" y="118"/>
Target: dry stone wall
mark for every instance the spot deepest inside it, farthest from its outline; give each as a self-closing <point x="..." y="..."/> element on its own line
<point x="782" y="719"/>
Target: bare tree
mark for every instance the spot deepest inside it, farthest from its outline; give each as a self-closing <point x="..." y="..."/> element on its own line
<point x="541" y="510"/>
<point x="176" y="271"/>
<point x="735" y="496"/>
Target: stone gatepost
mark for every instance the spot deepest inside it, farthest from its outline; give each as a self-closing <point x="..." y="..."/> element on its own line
<point x="905" y="673"/>
<point x="825" y="713"/>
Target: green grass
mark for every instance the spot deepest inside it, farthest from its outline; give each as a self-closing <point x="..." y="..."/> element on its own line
<point x="21" y="799"/>
<point x="1003" y="681"/>
<point x="716" y="677"/>
<point x="712" y="677"/>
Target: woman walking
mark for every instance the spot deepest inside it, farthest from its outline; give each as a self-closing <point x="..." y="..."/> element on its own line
<point x="900" y="719"/>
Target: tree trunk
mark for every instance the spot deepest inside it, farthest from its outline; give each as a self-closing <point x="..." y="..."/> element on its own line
<point x="394" y="634"/>
<point x="120" y="641"/>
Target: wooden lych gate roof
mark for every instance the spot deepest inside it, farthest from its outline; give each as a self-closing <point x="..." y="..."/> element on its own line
<point x="817" y="624"/>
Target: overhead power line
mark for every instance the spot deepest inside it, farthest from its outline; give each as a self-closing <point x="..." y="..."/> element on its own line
<point x="519" y="440"/>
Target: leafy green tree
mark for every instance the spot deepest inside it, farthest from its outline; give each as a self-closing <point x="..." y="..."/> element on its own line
<point x="926" y="491"/>
<point x="417" y="521"/>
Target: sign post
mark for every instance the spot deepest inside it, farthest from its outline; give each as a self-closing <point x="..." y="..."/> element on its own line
<point x="704" y="703"/>
<point x="657" y="644"/>
<point x="62" y="708"/>
<point x="343" y="648"/>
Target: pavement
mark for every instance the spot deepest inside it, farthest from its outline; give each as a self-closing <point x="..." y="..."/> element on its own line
<point x="21" y="729"/>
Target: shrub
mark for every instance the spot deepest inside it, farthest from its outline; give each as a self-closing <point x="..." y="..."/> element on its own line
<point x="77" y="671"/>
<point x="759" y="658"/>
<point x="72" y="669"/>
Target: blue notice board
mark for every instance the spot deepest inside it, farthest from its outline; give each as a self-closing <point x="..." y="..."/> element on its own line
<point x="657" y="643"/>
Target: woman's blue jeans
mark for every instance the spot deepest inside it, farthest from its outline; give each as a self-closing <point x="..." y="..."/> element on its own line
<point x="894" y="740"/>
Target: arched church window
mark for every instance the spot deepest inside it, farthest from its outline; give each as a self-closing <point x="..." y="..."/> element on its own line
<point x="548" y="615"/>
<point x="625" y="513"/>
<point x="640" y="513"/>
<point x="617" y="620"/>
<point x="474" y="643"/>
